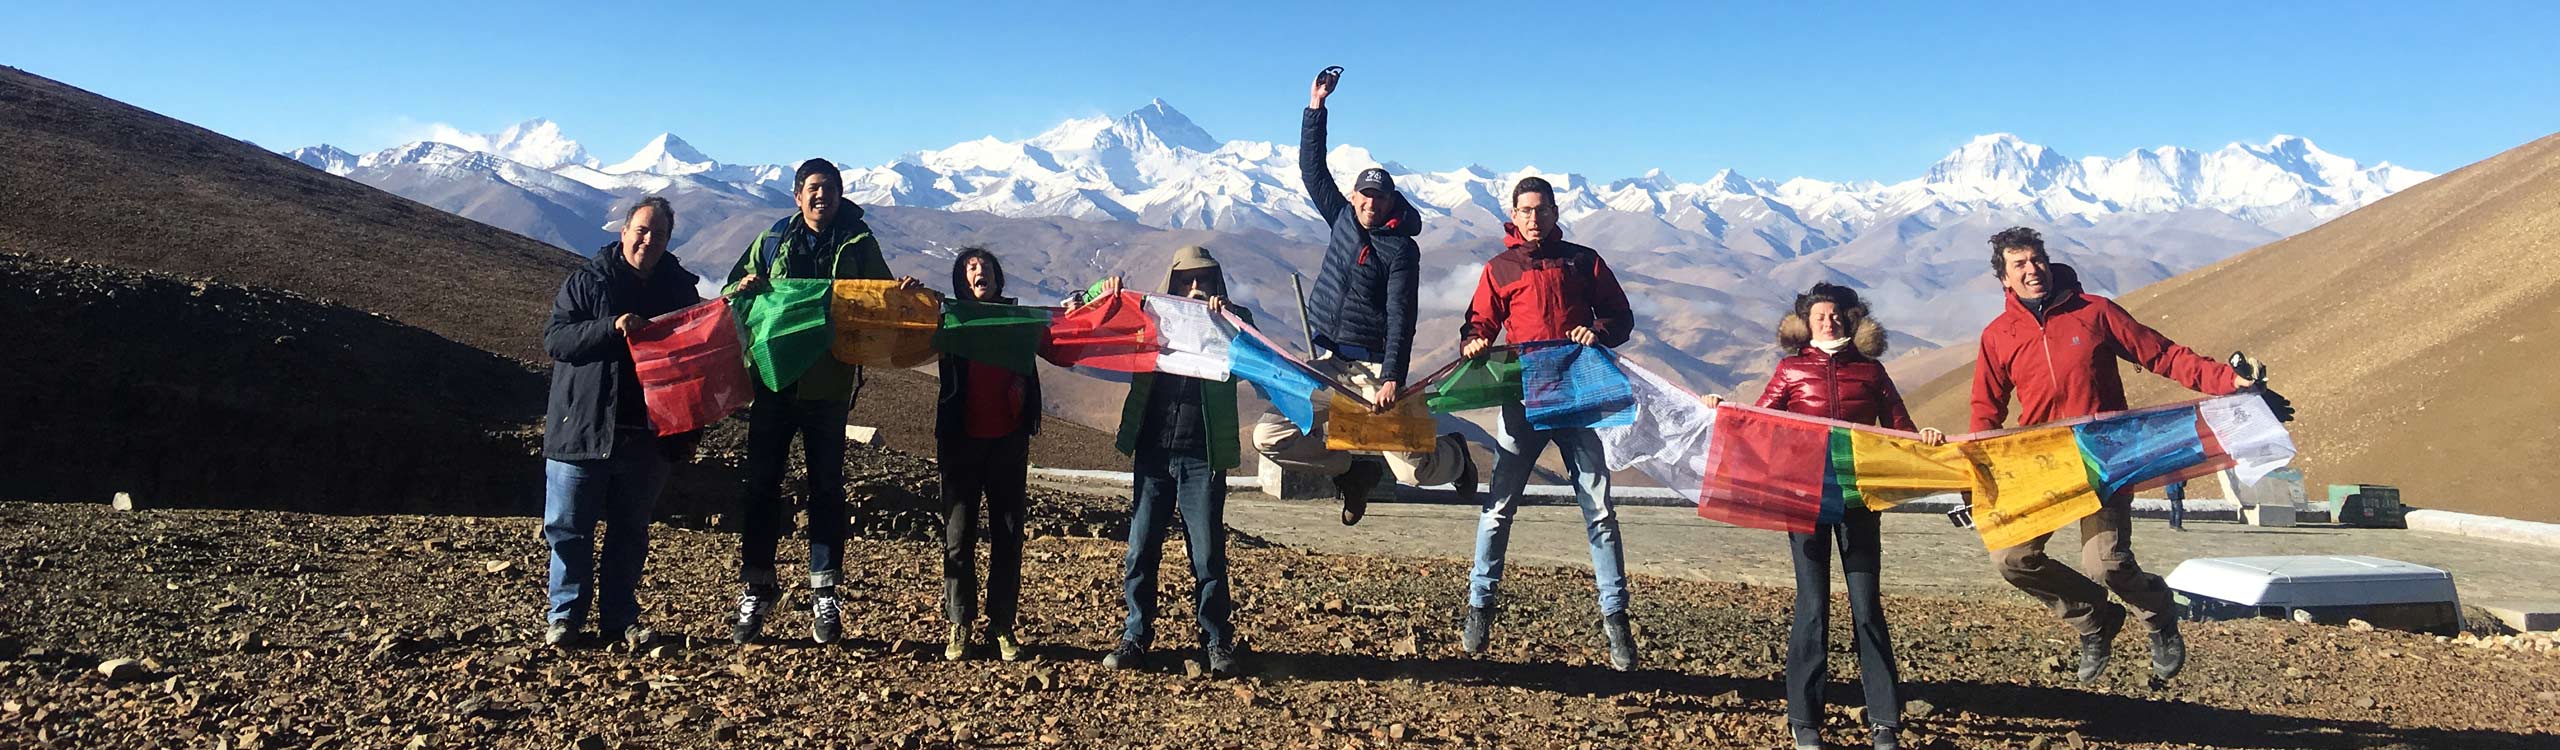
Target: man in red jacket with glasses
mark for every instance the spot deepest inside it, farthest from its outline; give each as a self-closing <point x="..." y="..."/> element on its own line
<point x="2054" y="348"/>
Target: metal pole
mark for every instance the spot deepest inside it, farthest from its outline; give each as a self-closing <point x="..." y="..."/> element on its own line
<point x="1306" y="327"/>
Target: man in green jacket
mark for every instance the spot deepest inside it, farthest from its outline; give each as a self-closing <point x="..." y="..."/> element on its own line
<point x="1181" y="435"/>
<point x="825" y="239"/>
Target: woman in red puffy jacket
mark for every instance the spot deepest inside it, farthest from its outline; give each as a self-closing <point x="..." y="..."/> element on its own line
<point x="1832" y="372"/>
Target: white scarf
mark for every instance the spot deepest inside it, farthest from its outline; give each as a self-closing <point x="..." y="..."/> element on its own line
<point x="1831" y="346"/>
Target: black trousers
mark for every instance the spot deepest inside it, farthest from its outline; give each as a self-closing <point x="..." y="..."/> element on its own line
<point x="993" y="469"/>
<point x="1808" y="644"/>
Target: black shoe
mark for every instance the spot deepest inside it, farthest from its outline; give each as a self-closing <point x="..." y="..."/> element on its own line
<point x="1354" y="485"/>
<point x="1127" y="655"/>
<point x="2168" y="652"/>
<point x="1622" y="642"/>
<point x="1222" y="661"/>
<point x="753" y="605"/>
<point x="1887" y="738"/>
<point x="826" y="618"/>
<point x="1467" y="481"/>
<point x="1807" y="738"/>
<point x="2097" y="648"/>
<point x="1479" y="629"/>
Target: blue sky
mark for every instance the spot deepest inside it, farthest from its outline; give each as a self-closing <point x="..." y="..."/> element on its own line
<point x="1840" y="92"/>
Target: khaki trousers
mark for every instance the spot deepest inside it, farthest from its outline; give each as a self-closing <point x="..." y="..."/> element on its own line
<point x="2106" y="551"/>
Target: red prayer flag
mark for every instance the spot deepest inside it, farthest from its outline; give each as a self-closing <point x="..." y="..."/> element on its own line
<point x="1765" y="472"/>
<point x="692" y="367"/>
<point x="1111" y="333"/>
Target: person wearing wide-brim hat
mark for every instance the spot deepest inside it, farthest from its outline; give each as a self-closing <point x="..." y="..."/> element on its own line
<point x="1180" y="434"/>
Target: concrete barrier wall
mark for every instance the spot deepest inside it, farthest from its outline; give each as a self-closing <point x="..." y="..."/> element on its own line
<point x="2485" y="527"/>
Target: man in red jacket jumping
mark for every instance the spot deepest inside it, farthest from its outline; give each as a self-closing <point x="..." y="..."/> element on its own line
<point x="1542" y="288"/>
<point x="2055" y="349"/>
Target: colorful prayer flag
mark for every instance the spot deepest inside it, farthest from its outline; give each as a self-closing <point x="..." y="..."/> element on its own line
<point x="1280" y="379"/>
<point x="878" y="323"/>
<point x="787" y="329"/>
<point x="692" y="367"/>
<point x="1192" y="342"/>
<point x="1488" y="381"/>
<point x="1570" y="386"/>
<point x="1007" y="336"/>
<point x="1109" y="333"/>
<point x="1403" y="428"/>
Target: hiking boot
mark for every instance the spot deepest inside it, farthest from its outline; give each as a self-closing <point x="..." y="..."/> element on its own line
<point x="1479" y="630"/>
<point x="2168" y="652"/>
<point x="1127" y="655"/>
<point x="558" y="634"/>
<point x="753" y="605"/>
<point x="1622" y="642"/>
<point x="1008" y="647"/>
<point x="1467" y="481"/>
<point x="1222" y="660"/>
<point x="1807" y="738"/>
<point x="2097" y="648"/>
<point x="1887" y="738"/>
<point x="957" y="645"/>
<point x="1354" y="484"/>
<point x="638" y="637"/>
<point x="826" y="617"/>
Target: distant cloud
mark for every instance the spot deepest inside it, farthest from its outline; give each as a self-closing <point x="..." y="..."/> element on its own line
<point x="1450" y="294"/>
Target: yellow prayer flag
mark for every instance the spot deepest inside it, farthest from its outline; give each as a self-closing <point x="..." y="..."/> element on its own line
<point x="1405" y="428"/>
<point x="2028" y="484"/>
<point x="1893" y="469"/>
<point x="879" y="324"/>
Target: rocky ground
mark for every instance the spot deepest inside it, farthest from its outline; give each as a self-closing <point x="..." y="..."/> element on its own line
<point x="255" y="629"/>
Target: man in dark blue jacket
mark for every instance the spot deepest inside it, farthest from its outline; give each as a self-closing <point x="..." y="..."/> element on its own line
<point x="602" y="459"/>
<point x="1362" y="315"/>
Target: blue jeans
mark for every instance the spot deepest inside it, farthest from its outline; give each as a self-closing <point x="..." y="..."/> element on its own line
<point x="771" y="422"/>
<point x="620" y="491"/>
<point x="1516" y="450"/>
<point x="1164" y="479"/>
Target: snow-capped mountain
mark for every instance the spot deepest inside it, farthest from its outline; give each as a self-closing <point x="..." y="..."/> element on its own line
<point x="1713" y="261"/>
<point x="535" y="143"/>
<point x="1157" y="167"/>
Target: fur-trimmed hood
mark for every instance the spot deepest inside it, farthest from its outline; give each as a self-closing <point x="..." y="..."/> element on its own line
<point x="1795" y="334"/>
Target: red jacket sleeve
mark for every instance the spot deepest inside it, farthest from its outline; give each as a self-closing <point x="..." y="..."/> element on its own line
<point x="1990" y="388"/>
<point x="1612" y="319"/>
<point x="1775" y="396"/>
<point x="2155" y="352"/>
<point x="1896" y="416"/>
<point x="1487" y="312"/>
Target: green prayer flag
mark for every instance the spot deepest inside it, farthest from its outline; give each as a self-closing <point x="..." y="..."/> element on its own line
<point x="1007" y="336"/>
<point x="787" y="329"/>
<point x="1485" y="382"/>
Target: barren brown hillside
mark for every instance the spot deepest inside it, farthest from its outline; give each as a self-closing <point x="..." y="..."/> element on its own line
<point x="91" y="178"/>
<point x="2416" y="335"/>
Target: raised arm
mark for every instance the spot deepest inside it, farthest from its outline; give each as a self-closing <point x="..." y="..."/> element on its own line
<point x="1321" y="189"/>
<point x="2169" y="359"/>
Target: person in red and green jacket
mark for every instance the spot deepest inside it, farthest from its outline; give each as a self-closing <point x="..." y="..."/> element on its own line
<point x="1542" y="288"/>
<point x="2054" y="349"/>
<point x="1180" y="433"/>
<point x="825" y="239"/>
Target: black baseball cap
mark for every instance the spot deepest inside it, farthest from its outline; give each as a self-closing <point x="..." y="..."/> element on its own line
<point x="1376" y="179"/>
